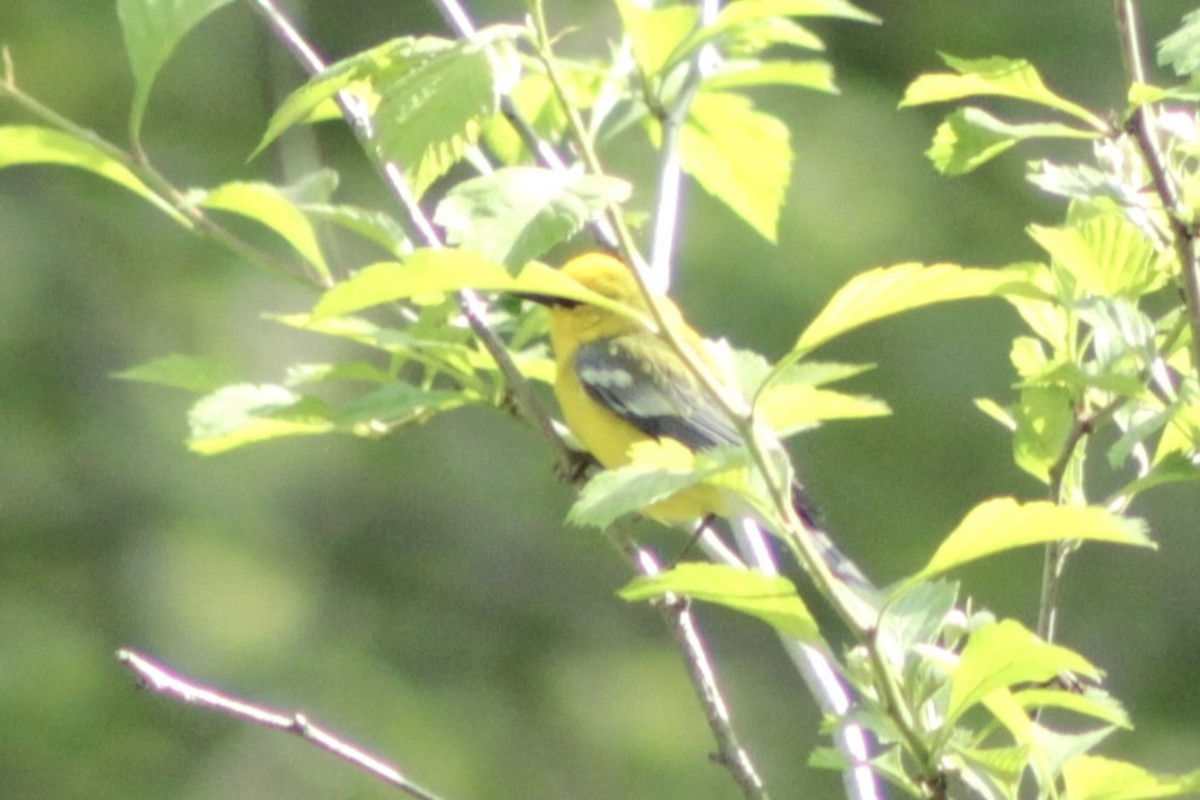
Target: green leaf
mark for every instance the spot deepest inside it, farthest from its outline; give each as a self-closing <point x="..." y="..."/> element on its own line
<point x="429" y="271"/>
<point x="268" y="206"/>
<point x="428" y="97"/>
<point x="152" y="30"/>
<point x="431" y="113"/>
<point x="735" y="19"/>
<point x="1090" y="777"/>
<point x="885" y="291"/>
<point x="771" y="598"/>
<point x="1173" y="467"/>
<point x="740" y="156"/>
<point x="375" y="226"/>
<point x="655" y="33"/>
<point x="810" y="74"/>
<point x="245" y="413"/>
<point x="1106" y="255"/>
<point x="516" y="214"/>
<point x="1091" y="702"/>
<point x="995" y="77"/>
<point x="787" y="408"/>
<point x="659" y="470"/>
<point x="1044" y="422"/>
<point x="1002" y="524"/>
<point x="31" y="144"/>
<point x="303" y="374"/>
<point x="1181" y="50"/>
<point x="395" y="404"/>
<point x="1004" y="654"/>
<point x="191" y="373"/>
<point x="970" y="137"/>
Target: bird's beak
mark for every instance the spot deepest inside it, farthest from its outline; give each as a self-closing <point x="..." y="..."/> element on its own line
<point x="548" y="300"/>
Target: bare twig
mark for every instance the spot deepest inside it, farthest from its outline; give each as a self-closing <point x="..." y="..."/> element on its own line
<point x="159" y="679"/>
<point x="679" y="618"/>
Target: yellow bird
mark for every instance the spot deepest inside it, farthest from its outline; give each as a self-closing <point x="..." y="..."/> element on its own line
<point x="619" y="384"/>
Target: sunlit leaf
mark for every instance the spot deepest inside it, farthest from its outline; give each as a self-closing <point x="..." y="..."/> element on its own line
<point x="1044" y="422"/>
<point x="970" y="137"/>
<point x="996" y="77"/>
<point x="1002" y="655"/>
<point x="516" y="214"/>
<point x="1003" y="524"/>
<point x="773" y="599"/>
<point x="428" y="97"/>
<point x="375" y="226"/>
<point x="429" y="271"/>
<point x="245" y="413"/>
<point x="790" y="407"/>
<point x="655" y="33"/>
<point x="1106" y="255"/>
<point x="31" y="144"/>
<point x="658" y="471"/>
<point x="1090" y="702"/>
<point x="398" y="403"/>
<point x="885" y="291"/>
<point x="811" y="74"/>
<point x="1181" y="50"/>
<point x="1089" y="777"/>
<point x="740" y="156"/>
<point x="152" y="29"/>
<point x="191" y="373"/>
<point x="268" y="206"/>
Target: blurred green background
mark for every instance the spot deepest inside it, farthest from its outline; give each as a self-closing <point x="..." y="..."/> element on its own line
<point x="419" y="593"/>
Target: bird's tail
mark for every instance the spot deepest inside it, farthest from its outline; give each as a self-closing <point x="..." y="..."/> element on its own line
<point x="838" y="562"/>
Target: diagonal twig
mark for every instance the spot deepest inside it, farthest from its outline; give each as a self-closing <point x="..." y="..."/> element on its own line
<point x="161" y="680"/>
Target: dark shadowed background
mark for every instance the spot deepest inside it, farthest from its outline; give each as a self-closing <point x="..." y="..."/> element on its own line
<point x="419" y="593"/>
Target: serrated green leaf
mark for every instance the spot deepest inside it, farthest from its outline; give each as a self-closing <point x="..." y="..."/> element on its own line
<point x="1002" y="524"/>
<point x="999" y="768"/>
<point x="771" y="598"/>
<point x="190" y="373"/>
<point x="428" y="97"/>
<point x="375" y="226"/>
<point x="516" y="214"/>
<point x="1106" y="255"/>
<point x="152" y="29"/>
<point x="995" y="77"/>
<point x="1181" y="50"/>
<point x="1090" y="777"/>
<point x="267" y="205"/>
<point x="970" y="137"/>
<point x="885" y="291"/>
<point x="32" y="144"/>
<point x="1004" y="654"/>
<point x="658" y="471"/>
<point x="245" y="413"/>
<point x="811" y="74"/>
<point x="740" y="156"/>
<point x="431" y="113"/>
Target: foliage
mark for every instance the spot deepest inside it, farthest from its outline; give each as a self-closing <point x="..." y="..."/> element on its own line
<point x="959" y="701"/>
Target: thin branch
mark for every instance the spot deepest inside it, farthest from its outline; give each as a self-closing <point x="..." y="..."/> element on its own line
<point x="679" y="618"/>
<point x="160" y="680"/>
<point x="1143" y="125"/>
<point x="824" y="683"/>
